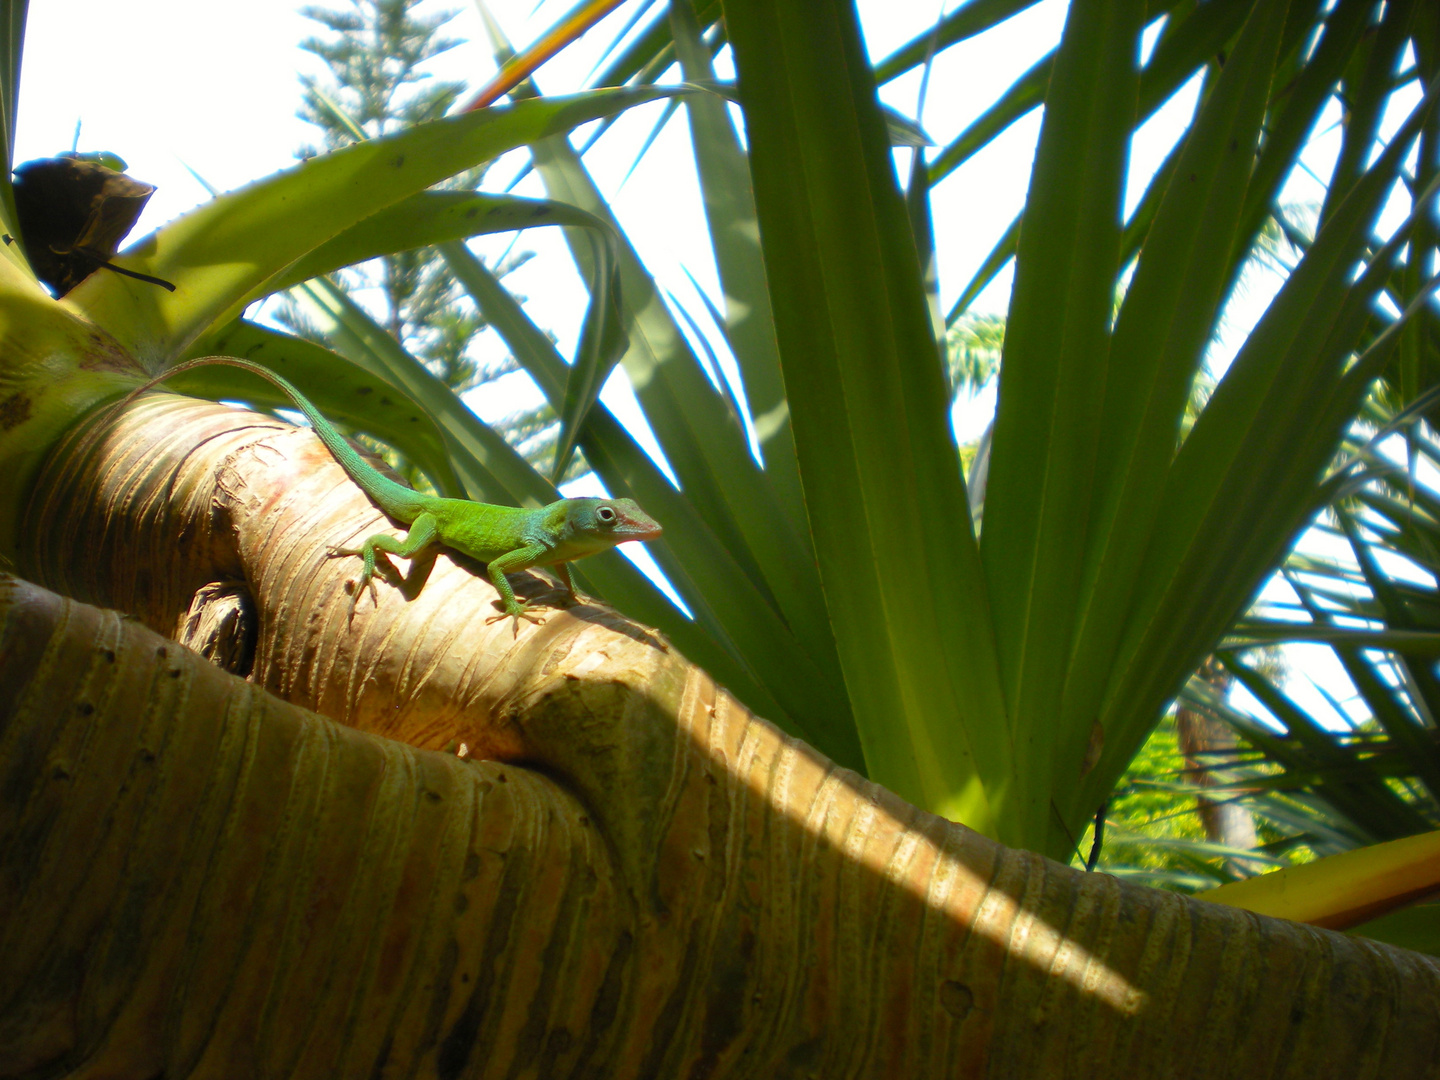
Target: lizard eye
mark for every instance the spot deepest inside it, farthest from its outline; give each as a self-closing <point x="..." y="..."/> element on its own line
<point x="606" y="514"/>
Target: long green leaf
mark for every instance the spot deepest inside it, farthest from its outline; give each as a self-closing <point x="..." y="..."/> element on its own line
<point x="869" y="409"/>
<point x="423" y="219"/>
<point x="1416" y="358"/>
<point x="652" y="50"/>
<point x="709" y="453"/>
<point x="1422" y="644"/>
<point x="1366" y="98"/>
<point x="343" y="391"/>
<point x="1047" y="423"/>
<point x="488" y="467"/>
<point x="706" y="448"/>
<point x="1165" y="323"/>
<point x="724" y="174"/>
<point x="1295" y="117"/>
<point x="1025" y="93"/>
<point x="1367" y="801"/>
<point x="1411" y="737"/>
<point x="1242" y="481"/>
<point x="228" y="248"/>
<point x="436" y="217"/>
<point x="1189" y="43"/>
<point x="965" y="22"/>
<point x="993" y="263"/>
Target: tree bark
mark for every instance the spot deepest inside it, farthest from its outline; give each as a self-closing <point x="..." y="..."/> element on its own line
<point x="640" y="879"/>
<point x="1205" y="743"/>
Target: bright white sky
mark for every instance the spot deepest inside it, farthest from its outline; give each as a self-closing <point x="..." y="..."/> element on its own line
<point x="171" y="83"/>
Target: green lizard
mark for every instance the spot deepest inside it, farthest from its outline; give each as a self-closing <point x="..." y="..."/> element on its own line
<point x="506" y="538"/>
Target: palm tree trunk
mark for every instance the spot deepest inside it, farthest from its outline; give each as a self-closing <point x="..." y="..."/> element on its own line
<point x="1205" y="742"/>
<point x="640" y="879"/>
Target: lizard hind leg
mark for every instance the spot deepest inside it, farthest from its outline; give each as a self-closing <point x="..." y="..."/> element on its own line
<point x="367" y="572"/>
<point x="414" y="543"/>
<point x="562" y="571"/>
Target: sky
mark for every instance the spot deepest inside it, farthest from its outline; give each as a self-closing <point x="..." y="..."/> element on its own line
<point x="179" y="85"/>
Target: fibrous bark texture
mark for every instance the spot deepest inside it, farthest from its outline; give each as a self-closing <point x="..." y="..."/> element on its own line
<point x="639" y="879"/>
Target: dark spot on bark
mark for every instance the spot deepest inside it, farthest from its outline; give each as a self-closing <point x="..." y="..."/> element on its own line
<point x="804" y="1056"/>
<point x="455" y="1048"/>
<point x="160" y="652"/>
<point x="433" y="796"/>
<point x="666" y="1026"/>
<point x="559" y="1042"/>
<point x="607" y="999"/>
<point x="59" y="772"/>
<point x="472" y="867"/>
<point x="725" y="1011"/>
<point x="109" y="655"/>
<point x="956" y="998"/>
<point x="84" y="708"/>
<point x="14" y="410"/>
<point x="382" y="1058"/>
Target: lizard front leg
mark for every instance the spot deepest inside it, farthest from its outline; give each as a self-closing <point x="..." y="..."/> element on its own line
<point x="498" y="567"/>
<point x="421" y="535"/>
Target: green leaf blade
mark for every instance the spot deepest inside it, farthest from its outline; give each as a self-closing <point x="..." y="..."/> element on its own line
<point x="880" y="469"/>
<point x="1159" y="342"/>
<point x="224" y="251"/>
<point x="1047" y="422"/>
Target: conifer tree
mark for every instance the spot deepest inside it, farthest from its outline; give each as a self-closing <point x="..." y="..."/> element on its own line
<point x="376" y="52"/>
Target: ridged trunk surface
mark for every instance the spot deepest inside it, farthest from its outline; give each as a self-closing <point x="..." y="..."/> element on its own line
<point x="641" y="879"/>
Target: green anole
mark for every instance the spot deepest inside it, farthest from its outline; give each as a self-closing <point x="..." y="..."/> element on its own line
<point x="506" y="538"/>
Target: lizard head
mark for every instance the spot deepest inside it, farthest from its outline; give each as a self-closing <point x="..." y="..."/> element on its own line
<point x="592" y="525"/>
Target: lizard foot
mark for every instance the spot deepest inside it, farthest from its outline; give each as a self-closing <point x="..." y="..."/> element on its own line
<point x="521" y="612"/>
<point x="356" y="588"/>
